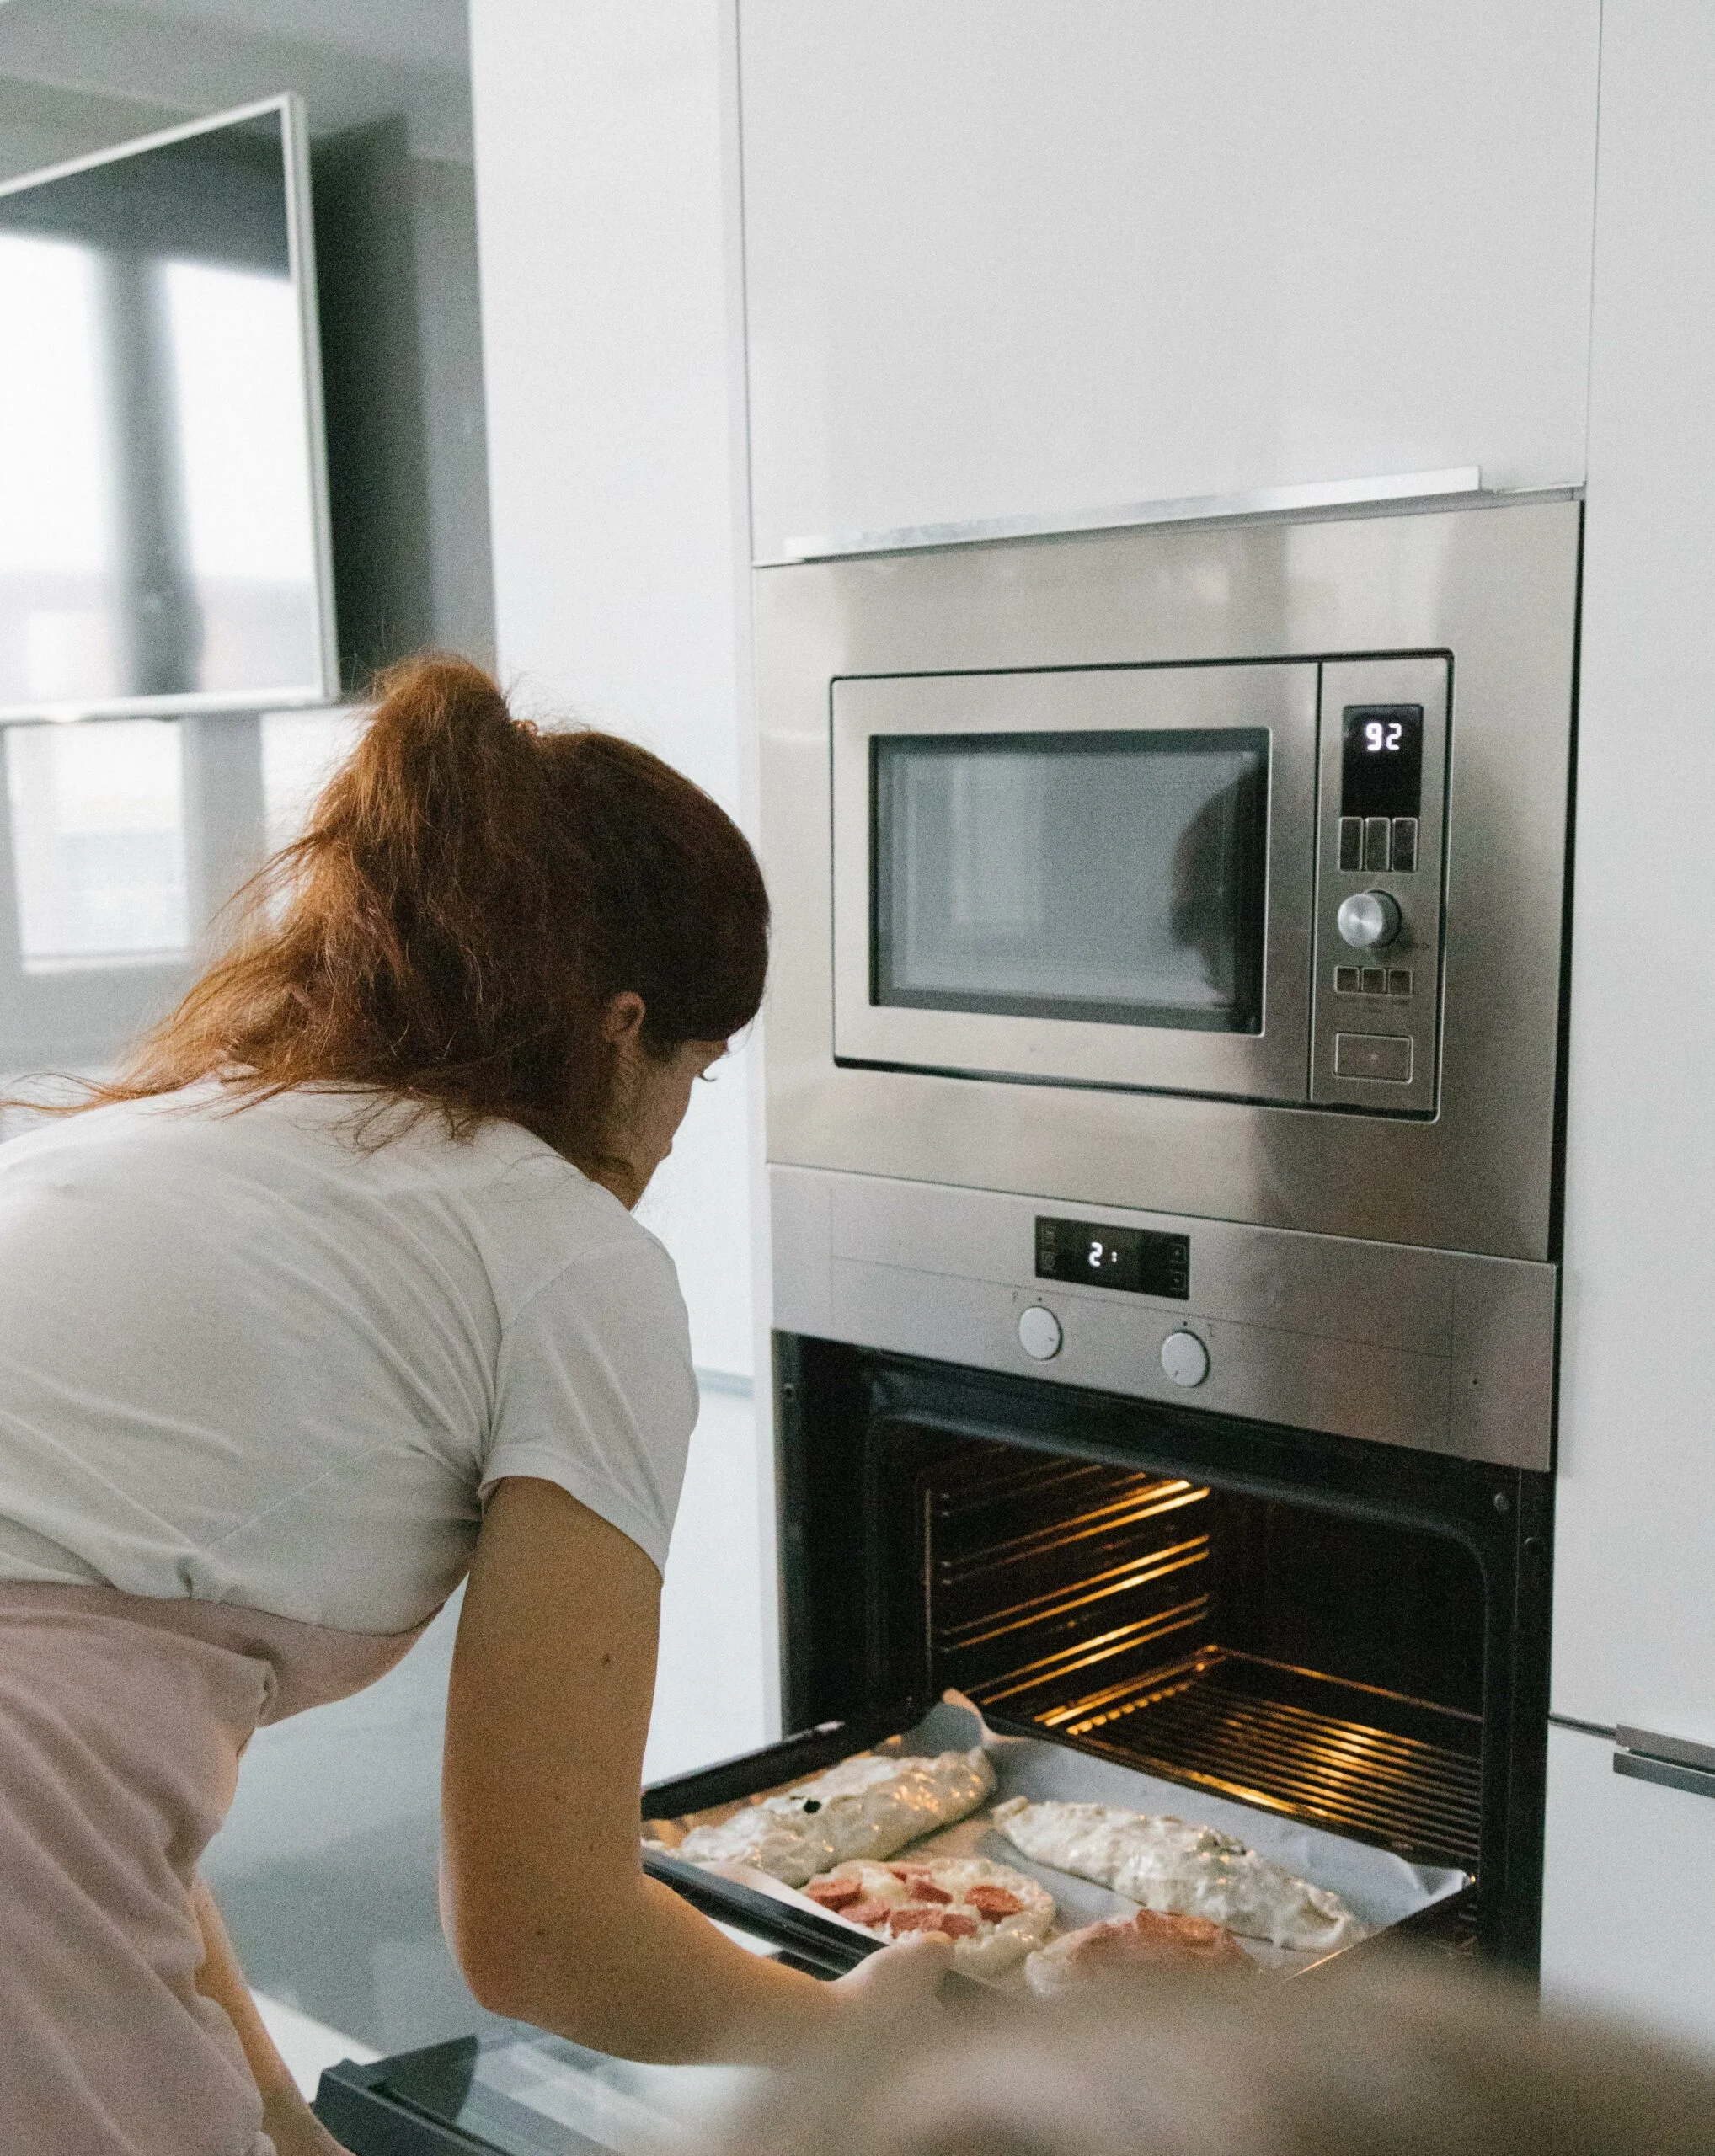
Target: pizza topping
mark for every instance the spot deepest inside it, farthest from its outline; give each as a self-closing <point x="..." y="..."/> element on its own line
<point x="1145" y="1940"/>
<point x="993" y="1915"/>
<point x="835" y="1893"/>
<point x="954" y="1923"/>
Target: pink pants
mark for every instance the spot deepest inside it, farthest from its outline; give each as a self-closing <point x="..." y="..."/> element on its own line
<point x="121" y="1725"/>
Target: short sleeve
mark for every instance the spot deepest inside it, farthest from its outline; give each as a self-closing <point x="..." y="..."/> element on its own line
<point x="595" y="1390"/>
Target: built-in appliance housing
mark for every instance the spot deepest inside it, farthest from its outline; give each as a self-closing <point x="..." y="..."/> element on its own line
<point x="1212" y="870"/>
<point x="1162" y="1083"/>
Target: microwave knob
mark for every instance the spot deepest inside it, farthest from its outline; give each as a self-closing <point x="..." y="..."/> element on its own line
<point x="1185" y="1358"/>
<point x="1039" y="1333"/>
<point x="1368" y="919"/>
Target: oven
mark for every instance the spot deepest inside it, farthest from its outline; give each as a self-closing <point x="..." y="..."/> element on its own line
<point x="1342" y="1634"/>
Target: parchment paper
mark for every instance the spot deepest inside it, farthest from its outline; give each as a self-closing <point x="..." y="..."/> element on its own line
<point x="1379" y="1887"/>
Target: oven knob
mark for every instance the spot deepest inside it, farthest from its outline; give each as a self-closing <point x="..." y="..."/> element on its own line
<point x="1039" y="1333"/>
<point x="1368" y="919"/>
<point x="1185" y="1358"/>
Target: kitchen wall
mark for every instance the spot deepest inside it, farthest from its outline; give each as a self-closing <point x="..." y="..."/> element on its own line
<point x="615" y="423"/>
<point x="607" y="202"/>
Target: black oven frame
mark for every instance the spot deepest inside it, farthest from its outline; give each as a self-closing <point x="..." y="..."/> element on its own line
<point x="832" y="1399"/>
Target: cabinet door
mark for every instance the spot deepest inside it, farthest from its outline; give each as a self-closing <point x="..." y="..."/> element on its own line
<point x="1628" y="1899"/>
<point x="1634" y="1583"/>
<point x="1011" y="258"/>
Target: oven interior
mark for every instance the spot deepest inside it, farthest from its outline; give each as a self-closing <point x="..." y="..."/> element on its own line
<point x="1294" y="1656"/>
<point x="1349" y="1634"/>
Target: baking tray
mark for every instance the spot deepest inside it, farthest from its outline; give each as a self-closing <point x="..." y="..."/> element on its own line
<point x="1384" y="1891"/>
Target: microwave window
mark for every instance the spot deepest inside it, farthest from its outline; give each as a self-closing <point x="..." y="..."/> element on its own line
<point x="1111" y="877"/>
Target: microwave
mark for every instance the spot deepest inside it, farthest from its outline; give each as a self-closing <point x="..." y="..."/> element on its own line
<point x="1221" y="878"/>
<point x="1216" y="870"/>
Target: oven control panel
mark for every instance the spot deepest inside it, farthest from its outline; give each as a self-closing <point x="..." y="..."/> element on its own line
<point x="1437" y="1350"/>
<point x="1375" y="1007"/>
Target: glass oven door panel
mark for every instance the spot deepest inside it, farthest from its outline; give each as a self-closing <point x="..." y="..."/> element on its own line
<point x="1098" y="877"/>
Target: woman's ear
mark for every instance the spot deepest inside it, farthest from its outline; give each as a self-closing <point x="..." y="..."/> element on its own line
<point x="622" y="1023"/>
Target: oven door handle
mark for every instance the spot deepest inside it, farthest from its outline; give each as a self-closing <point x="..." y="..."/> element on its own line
<point x="1673" y="1761"/>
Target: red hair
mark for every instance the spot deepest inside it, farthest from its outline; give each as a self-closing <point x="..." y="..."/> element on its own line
<point x="471" y="893"/>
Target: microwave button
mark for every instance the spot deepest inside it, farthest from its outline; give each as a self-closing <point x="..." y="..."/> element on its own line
<point x="1376" y="831"/>
<point x="1405" y="844"/>
<point x="1374" y="980"/>
<point x="1039" y="1333"/>
<point x="1368" y="919"/>
<point x="1352" y="842"/>
<point x="1349" y="980"/>
<point x="1399" y="981"/>
<point x="1386" y="1057"/>
<point x="1185" y="1358"/>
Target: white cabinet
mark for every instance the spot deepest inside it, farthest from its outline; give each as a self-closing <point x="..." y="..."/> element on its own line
<point x="1635" y="1533"/>
<point x="1008" y="256"/>
<point x="1629" y="1892"/>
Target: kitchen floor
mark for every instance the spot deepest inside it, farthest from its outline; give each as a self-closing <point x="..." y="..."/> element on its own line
<point x="326" y="1867"/>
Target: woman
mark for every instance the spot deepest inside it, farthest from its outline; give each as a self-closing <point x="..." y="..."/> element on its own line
<point x="332" y="1297"/>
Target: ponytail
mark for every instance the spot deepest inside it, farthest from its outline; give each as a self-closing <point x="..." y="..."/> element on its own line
<point x="469" y="896"/>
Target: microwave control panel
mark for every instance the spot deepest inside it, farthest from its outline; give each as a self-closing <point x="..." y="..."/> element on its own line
<point x="1375" y="999"/>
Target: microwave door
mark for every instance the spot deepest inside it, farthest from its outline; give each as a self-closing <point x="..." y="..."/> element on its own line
<point x="1090" y="876"/>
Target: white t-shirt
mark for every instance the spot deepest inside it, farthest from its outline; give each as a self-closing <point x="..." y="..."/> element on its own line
<point x="245" y="1359"/>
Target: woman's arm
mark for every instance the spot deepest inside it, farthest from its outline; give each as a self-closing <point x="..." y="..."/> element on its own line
<point x="543" y="1894"/>
<point x="294" y="2127"/>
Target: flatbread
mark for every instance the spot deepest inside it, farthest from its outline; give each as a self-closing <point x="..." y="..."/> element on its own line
<point x="1181" y="1869"/>
<point x="1101" y="1952"/>
<point x="866" y="1807"/>
<point x="994" y="1915"/>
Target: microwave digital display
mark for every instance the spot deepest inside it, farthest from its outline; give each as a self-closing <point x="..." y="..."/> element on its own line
<point x="1140" y="1260"/>
<point x="1382" y="760"/>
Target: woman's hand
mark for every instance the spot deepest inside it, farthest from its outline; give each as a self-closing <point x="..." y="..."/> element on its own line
<point x="294" y="2128"/>
<point x="903" y="1977"/>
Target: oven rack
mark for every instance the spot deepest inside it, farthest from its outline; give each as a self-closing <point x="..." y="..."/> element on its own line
<point x="1386" y="1769"/>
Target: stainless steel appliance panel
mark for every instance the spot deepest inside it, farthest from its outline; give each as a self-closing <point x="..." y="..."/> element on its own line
<point x="1431" y="1350"/>
<point x="1378" y="892"/>
<point x="1171" y="703"/>
<point x="1494" y="586"/>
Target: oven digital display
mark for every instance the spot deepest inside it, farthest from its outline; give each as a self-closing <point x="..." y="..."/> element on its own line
<point x="1136" y="1259"/>
<point x="1382" y="760"/>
